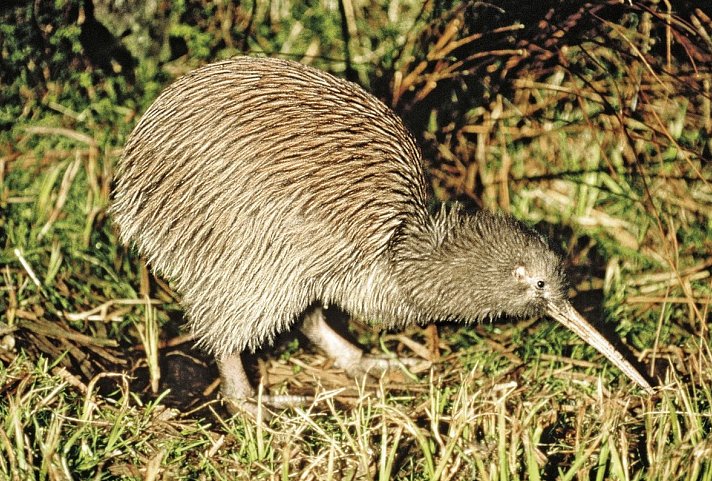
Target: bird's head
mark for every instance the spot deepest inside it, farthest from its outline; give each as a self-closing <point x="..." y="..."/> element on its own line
<point x="490" y="265"/>
<point x="501" y="265"/>
<point x="534" y="277"/>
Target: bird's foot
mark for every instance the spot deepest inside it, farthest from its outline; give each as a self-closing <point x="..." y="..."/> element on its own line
<point x="375" y="366"/>
<point x="239" y="395"/>
<point x="346" y="355"/>
<point x="264" y="407"/>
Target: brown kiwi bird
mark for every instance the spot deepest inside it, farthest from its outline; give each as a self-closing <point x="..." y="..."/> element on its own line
<point x="265" y="190"/>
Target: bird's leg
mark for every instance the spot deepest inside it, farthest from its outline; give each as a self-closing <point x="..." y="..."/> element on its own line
<point x="346" y="355"/>
<point x="235" y="387"/>
<point x="240" y="394"/>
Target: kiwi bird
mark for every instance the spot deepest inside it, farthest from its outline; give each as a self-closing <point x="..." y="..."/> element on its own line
<point x="265" y="189"/>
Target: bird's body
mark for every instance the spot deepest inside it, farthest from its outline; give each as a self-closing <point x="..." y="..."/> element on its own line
<point x="263" y="187"/>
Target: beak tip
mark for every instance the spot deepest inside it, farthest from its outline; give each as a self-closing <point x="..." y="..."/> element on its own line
<point x="565" y="313"/>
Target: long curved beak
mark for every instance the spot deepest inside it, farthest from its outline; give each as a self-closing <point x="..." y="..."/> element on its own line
<point x="565" y="313"/>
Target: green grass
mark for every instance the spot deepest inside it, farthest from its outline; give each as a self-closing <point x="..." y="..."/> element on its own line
<point x="582" y="123"/>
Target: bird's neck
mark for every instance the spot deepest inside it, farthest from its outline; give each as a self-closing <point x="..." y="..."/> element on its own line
<point x="443" y="277"/>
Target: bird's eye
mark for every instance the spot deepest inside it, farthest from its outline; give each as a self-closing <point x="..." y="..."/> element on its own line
<point x="540" y="284"/>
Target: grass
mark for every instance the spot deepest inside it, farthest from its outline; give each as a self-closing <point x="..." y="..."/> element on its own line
<point x="591" y="124"/>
